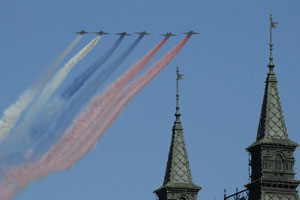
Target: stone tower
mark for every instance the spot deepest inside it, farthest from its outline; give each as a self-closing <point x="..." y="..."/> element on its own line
<point x="272" y="154"/>
<point x="178" y="184"/>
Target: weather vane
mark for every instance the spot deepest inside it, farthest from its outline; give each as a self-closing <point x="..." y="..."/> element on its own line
<point x="272" y="25"/>
<point x="179" y="77"/>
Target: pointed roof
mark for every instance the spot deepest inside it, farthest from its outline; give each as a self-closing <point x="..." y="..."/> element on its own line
<point x="271" y="124"/>
<point x="178" y="171"/>
<point x="272" y="128"/>
<point x="178" y="168"/>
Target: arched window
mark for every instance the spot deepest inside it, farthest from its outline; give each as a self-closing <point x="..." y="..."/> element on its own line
<point x="278" y="162"/>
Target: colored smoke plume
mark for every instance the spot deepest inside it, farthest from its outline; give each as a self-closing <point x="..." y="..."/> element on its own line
<point x="82" y="78"/>
<point x="17" y="179"/>
<point x="73" y="107"/>
<point x="89" y="140"/>
<point x="12" y="113"/>
<point x="98" y="105"/>
<point x="40" y="134"/>
<point x="18" y="141"/>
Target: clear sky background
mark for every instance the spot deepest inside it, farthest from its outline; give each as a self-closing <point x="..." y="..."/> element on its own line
<point x="221" y="94"/>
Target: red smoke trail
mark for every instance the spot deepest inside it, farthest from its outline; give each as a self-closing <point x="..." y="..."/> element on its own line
<point x="69" y="143"/>
<point x="104" y="119"/>
<point x="17" y="179"/>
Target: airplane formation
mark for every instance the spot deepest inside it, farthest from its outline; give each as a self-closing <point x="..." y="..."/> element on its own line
<point x="168" y="34"/>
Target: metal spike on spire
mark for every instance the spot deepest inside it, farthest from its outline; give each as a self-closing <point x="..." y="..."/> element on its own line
<point x="272" y="25"/>
<point x="179" y="77"/>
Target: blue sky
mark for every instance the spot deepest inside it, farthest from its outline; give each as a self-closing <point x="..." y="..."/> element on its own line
<point x="221" y="94"/>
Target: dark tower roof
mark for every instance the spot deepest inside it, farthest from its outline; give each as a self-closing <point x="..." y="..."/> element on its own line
<point x="178" y="179"/>
<point x="272" y="128"/>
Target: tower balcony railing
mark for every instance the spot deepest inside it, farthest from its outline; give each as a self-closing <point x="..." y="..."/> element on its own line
<point x="238" y="195"/>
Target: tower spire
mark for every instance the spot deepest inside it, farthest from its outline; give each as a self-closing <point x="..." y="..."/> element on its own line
<point x="271" y="125"/>
<point x="178" y="182"/>
<point x="179" y="77"/>
<point x="272" y="25"/>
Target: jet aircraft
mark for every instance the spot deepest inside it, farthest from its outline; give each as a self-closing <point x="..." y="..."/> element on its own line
<point x="81" y="32"/>
<point x="190" y="33"/>
<point x="168" y="34"/>
<point x="143" y="33"/>
<point x="123" y="34"/>
<point x="100" y="33"/>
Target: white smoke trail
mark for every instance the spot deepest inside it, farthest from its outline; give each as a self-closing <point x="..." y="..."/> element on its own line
<point x="74" y="145"/>
<point x="50" y="88"/>
<point x="13" y="112"/>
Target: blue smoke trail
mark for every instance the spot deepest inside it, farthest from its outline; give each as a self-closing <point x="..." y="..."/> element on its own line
<point x="14" y="112"/>
<point x="80" y="80"/>
<point x="52" y="109"/>
<point x="48" y="114"/>
<point x="74" y="105"/>
<point x="18" y="143"/>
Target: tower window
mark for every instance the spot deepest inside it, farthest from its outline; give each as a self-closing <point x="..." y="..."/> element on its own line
<point x="278" y="162"/>
<point x="286" y="166"/>
<point x="265" y="164"/>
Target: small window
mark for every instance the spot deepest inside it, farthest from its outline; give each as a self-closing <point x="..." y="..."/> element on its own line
<point x="182" y="198"/>
<point x="265" y="165"/>
<point x="278" y="162"/>
<point x="286" y="166"/>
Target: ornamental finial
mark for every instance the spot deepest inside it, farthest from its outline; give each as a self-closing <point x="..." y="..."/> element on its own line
<point x="272" y="25"/>
<point x="179" y="77"/>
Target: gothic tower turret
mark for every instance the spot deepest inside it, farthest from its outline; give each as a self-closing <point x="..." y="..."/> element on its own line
<point x="272" y="154"/>
<point x="178" y="184"/>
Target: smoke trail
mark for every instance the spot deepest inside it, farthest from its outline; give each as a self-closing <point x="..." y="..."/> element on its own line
<point x="38" y="131"/>
<point x="74" y="106"/>
<point x="45" y="118"/>
<point x="17" y="179"/>
<point x="80" y="80"/>
<point x="17" y="141"/>
<point x="101" y="77"/>
<point x="86" y="118"/>
<point x="107" y="114"/>
<point x="12" y="113"/>
<point x="98" y="81"/>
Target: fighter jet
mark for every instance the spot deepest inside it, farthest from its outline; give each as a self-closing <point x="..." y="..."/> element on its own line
<point x="81" y="32"/>
<point x="190" y="33"/>
<point x="168" y="34"/>
<point x="100" y="33"/>
<point x="123" y="34"/>
<point x="143" y="33"/>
